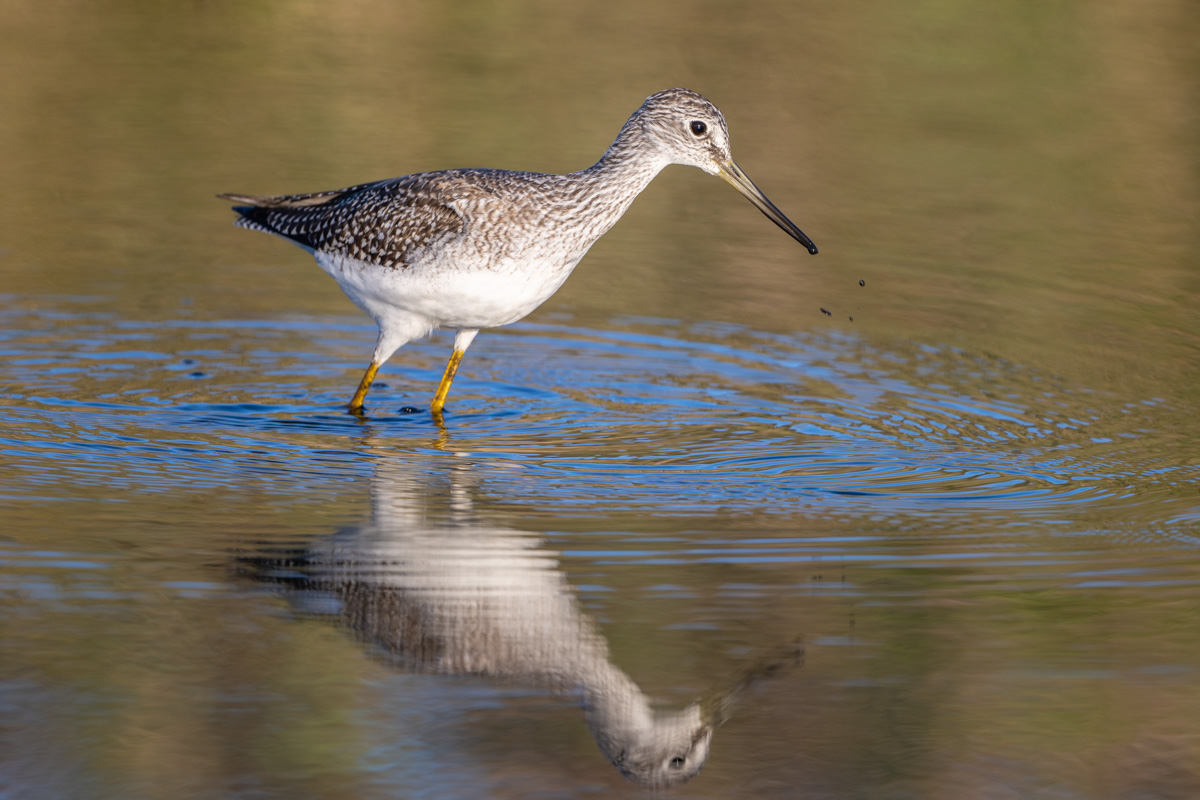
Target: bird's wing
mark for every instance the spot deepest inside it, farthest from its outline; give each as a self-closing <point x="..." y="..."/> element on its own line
<point x="386" y="223"/>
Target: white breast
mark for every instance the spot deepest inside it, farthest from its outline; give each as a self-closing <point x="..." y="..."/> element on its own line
<point x="455" y="294"/>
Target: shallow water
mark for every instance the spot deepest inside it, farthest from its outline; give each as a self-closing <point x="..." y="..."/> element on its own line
<point x="943" y="541"/>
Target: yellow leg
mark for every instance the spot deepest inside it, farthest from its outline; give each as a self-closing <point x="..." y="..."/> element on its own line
<point x="439" y="399"/>
<point x="356" y="402"/>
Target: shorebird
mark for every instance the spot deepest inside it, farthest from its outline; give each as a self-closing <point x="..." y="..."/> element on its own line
<point x="467" y="249"/>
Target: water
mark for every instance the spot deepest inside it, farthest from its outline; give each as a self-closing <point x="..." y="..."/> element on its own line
<point x="947" y="548"/>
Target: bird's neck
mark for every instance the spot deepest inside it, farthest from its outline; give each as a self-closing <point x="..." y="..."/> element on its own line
<point x="631" y="160"/>
<point x="626" y="168"/>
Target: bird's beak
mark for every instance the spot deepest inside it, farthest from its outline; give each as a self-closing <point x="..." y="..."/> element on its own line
<point x="733" y="174"/>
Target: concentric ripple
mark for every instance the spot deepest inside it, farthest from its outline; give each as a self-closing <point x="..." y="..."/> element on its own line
<point x="648" y="414"/>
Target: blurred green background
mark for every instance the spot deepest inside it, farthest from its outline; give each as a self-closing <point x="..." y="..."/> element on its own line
<point x="1002" y="176"/>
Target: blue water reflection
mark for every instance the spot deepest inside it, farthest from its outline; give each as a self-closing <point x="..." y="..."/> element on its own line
<point x="681" y="419"/>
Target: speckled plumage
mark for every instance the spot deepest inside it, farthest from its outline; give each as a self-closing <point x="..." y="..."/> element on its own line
<point x="467" y="249"/>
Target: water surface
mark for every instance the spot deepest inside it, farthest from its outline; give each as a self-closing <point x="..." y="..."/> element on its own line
<point x="941" y="541"/>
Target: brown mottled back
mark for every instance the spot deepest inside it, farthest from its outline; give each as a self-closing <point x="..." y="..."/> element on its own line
<point x="382" y="223"/>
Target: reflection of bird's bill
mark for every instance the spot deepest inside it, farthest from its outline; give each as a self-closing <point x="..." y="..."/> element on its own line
<point x="733" y="174"/>
<point x="717" y="707"/>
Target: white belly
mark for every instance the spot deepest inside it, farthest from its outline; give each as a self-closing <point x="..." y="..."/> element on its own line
<point x="447" y="296"/>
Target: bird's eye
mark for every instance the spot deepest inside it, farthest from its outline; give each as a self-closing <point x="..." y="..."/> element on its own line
<point x="678" y="761"/>
<point x="698" y="128"/>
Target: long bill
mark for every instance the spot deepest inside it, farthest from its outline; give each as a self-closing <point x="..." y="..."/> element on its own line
<point x="733" y="174"/>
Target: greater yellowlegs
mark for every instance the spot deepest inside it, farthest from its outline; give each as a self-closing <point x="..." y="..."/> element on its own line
<point x="467" y="249"/>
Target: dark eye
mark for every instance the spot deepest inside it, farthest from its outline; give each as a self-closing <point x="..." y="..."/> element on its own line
<point x="678" y="761"/>
<point x="698" y="128"/>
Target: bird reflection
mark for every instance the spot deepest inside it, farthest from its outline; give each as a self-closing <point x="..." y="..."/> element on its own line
<point x="432" y="590"/>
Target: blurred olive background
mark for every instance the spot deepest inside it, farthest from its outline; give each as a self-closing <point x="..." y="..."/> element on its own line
<point x="1003" y="177"/>
<point x="1016" y="181"/>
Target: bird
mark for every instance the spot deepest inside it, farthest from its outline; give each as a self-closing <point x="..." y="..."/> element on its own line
<point x="468" y="249"/>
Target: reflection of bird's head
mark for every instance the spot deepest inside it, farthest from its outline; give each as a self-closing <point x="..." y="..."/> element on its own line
<point x="670" y="750"/>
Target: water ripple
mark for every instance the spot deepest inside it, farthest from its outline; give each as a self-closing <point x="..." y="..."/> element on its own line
<point x="652" y="415"/>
